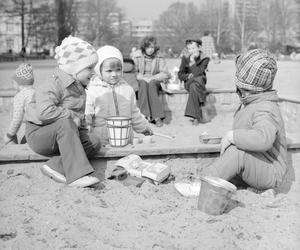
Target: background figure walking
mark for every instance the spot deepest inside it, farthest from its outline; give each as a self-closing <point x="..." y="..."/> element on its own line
<point x="192" y="72"/>
<point x="151" y="70"/>
<point x="208" y="45"/>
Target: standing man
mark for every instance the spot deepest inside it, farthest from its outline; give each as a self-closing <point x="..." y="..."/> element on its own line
<point x="208" y="45"/>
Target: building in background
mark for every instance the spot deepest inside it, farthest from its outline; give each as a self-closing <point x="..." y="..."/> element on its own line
<point x="10" y="34"/>
<point x="115" y="22"/>
<point x="23" y="13"/>
<point x="141" y="28"/>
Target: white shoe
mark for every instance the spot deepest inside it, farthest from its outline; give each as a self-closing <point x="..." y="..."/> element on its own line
<point x="188" y="189"/>
<point x="85" y="181"/>
<point x="269" y="193"/>
<point x="56" y="176"/>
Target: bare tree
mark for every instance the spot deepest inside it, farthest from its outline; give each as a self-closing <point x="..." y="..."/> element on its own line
<point x="215" y="18"/>
<point x="66" y="18"/>
<point x="20" y="8"/>
<point x="285" y="11"/>
<point x="43" y="26"/>
<point x="278" y="21"/>
<point x="178" y="23"/>
<point x="241" y="21"/>
<point x="99" y="15"/>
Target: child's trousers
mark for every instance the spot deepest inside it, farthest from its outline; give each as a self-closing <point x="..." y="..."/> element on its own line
<point x="149" y="101"/>
<point x="196" y="99"/>
<point x="72" y="144"/>
<point x="252" y="167"/>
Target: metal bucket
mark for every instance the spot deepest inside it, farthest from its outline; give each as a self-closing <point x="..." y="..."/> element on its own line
<point x="214" y="195"/>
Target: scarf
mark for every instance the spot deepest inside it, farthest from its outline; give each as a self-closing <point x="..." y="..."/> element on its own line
<point x="155" y="64"/>
<point x="259" y="97"/>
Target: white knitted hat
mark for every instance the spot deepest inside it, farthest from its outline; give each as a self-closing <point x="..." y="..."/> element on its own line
<point x="74" y="55"/>
<point x="106" y="52"/>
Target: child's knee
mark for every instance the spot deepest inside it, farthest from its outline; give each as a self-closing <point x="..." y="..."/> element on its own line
<point x="67" y="124"/>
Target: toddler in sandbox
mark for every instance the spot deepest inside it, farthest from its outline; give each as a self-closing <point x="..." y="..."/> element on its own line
<point x="55" y="124"/>
<point x="108" y="94"/>
<point x="255" y="149"/>
<point x="23" y="81"/>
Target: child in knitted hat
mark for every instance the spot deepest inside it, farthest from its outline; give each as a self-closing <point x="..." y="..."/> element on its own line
<point x="23" y="81"/>
<point x="255" y="149"/>
<point x="55" y="118"/>
<point x="108" y="94"/>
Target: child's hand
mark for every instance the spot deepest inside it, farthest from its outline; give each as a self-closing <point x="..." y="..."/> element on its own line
<point x="192" y="59"/>
<point x="227" y="140"/>
<point x="190" y="76"/>
<point x="139" y="76"/>
<point x="89" y="128"/>
<point x="8" y="139"/>
<point x="147" y="79"/>
<point x="147" y="131"/>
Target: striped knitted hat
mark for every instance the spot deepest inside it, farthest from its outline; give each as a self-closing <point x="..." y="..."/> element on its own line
<point x="74" y="55"/>
<point x="24" y="74"/>
<point x="255" y="70"/>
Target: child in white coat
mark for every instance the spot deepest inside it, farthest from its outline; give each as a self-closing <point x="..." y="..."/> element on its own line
<point x="108" y="94"/>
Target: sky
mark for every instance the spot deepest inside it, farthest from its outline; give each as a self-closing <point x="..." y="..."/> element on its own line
<point x="149" y="9"/>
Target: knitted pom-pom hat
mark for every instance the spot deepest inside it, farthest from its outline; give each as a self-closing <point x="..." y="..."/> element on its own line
<point x="106" y="52"/>
<point x="24" y="74"/>
<point x="74" y="55"/>
<point x="255" y="70"/>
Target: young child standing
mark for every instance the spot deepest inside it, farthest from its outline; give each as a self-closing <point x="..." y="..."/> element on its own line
<point x="255" y="149"/>
<point x="55" y="118"/>
<point x="23" y="81"/>
<point x="108" y="94"/>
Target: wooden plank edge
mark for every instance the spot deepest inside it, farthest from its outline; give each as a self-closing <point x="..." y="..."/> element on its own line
<point x="28" y="155"/>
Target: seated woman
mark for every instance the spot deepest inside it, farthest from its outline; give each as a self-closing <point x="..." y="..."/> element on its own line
<point x="151" y="70"/>
<point x="192" y="73"/>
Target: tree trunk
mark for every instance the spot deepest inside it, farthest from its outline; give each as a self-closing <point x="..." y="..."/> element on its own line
<point x="22" y="24"/>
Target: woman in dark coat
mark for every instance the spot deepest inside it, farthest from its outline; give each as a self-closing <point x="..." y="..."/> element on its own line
<point x="192" y="72"/>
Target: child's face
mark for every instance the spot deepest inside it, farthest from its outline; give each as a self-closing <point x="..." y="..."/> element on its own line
<point x="194" y="49"/>
<point x="150" y="49"/>
<point x="85" y="75"/>
<point x="111" y="70"/>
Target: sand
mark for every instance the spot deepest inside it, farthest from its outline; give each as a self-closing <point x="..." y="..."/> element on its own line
<point x="38" y="213"/>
